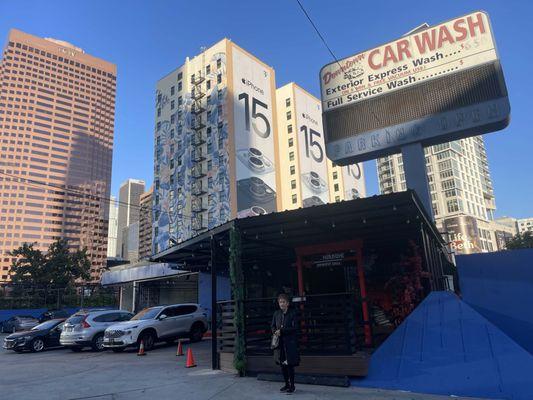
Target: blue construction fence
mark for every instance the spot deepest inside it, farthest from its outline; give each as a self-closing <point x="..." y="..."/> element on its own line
<point x="499" y="286"/>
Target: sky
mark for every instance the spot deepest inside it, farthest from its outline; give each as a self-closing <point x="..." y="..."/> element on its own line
<point x="148" y="39"/>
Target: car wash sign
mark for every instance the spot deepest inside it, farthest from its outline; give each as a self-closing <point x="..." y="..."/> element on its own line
<point x="431" y="86"/>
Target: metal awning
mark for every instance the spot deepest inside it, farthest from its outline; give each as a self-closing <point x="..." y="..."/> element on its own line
<point x="140" y="271"/>
<point x="381" y="222"/>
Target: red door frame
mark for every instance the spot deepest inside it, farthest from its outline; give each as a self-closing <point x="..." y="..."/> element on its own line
<point x="326" y="248"/>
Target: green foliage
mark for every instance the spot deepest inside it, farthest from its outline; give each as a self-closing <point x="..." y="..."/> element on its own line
<point x="237" y="285"/>
<point x="57" y="267"/>
<point x="520" y="241"/>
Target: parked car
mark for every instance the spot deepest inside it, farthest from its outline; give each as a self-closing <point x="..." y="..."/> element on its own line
<point x="19" y="323"/>
<point x="155" y="324"/>
<point x="38" y="338"/>
<point x="86" y="328"/>
<point x="54" y="314"/>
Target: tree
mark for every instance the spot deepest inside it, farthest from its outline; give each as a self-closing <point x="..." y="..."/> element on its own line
<point x="520" y="241"/>
<point x="57" y="267"/>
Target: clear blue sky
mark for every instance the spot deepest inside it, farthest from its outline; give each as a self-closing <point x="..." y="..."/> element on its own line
<point x="148" y="39"/>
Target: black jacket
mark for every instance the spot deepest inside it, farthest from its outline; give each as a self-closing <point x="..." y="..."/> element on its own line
<point x="288" y="344"/>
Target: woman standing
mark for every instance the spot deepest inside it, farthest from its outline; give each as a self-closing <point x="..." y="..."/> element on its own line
<point x="285" y="326"/>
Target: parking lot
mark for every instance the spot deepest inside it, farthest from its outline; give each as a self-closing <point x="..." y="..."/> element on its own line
<point x="62" y="374"/>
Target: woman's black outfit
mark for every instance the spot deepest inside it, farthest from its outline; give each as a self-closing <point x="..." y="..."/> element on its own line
<point x="286" y="354"/>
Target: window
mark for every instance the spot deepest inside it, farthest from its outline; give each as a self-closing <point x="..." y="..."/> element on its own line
<point x="219" y="78"/>
<point x="337" y="198"/>
<point x="180" y="76"/>
<point x="289" y="115"/>
<point x="294" y="199"/>
<point x="291" y="142"/>
<point x="159" y="112"/>
<point x="335" y="175"/>
<point x="180" y="86"/>
<point x="291" y="156"/>
<point x="172" y="90"/>
<point x="208" y="70"/>
<point x="219" y="63"/>
<point x="293" y="170"/>
<point x="288" y="102"/>
<point x="293" y="184"/>
<point x="208" y="85"/>
<point x="336" y="187"/>
<point x="289" y="129"/>
<point x="172" y="104"/>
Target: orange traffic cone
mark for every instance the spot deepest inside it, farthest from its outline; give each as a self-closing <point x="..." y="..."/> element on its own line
<point x="190" y="359"/>
<point x="179" y="352"/>
<point x="141" y="349"/>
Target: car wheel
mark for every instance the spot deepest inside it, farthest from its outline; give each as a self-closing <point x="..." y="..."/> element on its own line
<point x="197" y="332"/>
<point x="117" y="349"/>
<point x="98" y="342"/>
<point x="76" y="349"/>
<point x="148" y="339"/>
<point x="37" y="345"/>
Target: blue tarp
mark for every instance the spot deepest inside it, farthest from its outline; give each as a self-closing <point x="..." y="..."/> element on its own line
<point x="446" y="347"/>
<point x="499" y="286"/>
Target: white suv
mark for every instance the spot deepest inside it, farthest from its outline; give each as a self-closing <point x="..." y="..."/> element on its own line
<point x="154" y="324"/>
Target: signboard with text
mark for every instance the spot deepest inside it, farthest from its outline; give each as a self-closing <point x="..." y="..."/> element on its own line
<point x="431" y="86"/>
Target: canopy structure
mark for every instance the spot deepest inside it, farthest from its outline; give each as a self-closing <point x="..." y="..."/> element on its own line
<point x="381" y="224"/>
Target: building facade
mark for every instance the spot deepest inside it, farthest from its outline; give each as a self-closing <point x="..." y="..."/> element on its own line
<point x="308" y="177"/>
<point x="145" y="225"/>
<point x="57" y="109"/>
<point x="524" y="225"/>
<point x="128" y="213"/>
<point x="112" y="232"/>
<point x="461" y="192"/>
<point x="215" y="143"/>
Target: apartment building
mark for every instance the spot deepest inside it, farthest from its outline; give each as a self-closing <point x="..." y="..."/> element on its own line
<point x="308" y="177"/>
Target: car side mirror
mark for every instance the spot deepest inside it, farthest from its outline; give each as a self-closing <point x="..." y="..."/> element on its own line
<point x="162" y="317"/>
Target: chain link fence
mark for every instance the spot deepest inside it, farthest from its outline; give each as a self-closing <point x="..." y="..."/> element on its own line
<point x="15" y="296"/>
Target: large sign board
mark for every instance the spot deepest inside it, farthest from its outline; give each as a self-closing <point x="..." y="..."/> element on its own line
<point x="311" y="149"/>
<point x="439" y="84"/>
<point x="254" y="136"/>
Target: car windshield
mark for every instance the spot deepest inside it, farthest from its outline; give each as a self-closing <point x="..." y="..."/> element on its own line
<point x="147" y="313"/>
<point x="45" y="325"/>
<point x="76" y="319"/>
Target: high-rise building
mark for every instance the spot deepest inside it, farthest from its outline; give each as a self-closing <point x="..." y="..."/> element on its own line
<point x="112" y="232"/>
<point x="128" y="214"/>
<point x="461" y="191"/>
<point x="524" y="225"/>
<point x="308" y="177"/>
<point x="57" y="107"/>
<point x="215" y="143"/>
<point x="145" y="225"/>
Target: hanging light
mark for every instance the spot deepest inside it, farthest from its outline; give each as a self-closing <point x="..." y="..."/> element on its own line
<point x="333" y="224"/>
<point x="364" y="220"/>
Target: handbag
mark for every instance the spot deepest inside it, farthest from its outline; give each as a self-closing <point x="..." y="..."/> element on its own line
<point x="274" y="342"/>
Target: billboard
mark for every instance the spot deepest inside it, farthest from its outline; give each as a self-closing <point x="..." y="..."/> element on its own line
<point x="311" y="149"/>
<point x="463" y="234"/>
<point x="353" y="178"/>
<point x="253" y="135"/>
<point x="435" y="85"/>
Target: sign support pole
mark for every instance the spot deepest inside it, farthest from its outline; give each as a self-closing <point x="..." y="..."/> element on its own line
<point x="414" y="165"/>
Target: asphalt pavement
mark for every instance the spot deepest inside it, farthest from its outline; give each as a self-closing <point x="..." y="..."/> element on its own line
<point x="61" y="374"/>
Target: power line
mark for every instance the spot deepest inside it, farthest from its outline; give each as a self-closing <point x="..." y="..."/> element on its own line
<point x="329" y="49"/>
<point x="35" y="183"/>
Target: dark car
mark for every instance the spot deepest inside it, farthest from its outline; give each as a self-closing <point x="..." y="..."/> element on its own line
<point x="54" y="314"/>
<point x="19" y="323"/>
<point x="37" y="339"/>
